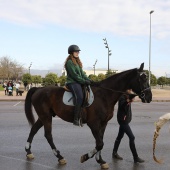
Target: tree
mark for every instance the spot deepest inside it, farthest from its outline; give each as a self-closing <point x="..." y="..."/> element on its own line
<point x="62" y="80"/>
<point x="153" y="78"/>
<point x="27" y="78"/>
<point x="161" y="81"/>
<point x="50" y="79"/>
<point x="10" y="69"/>
<point x="101" y="76"/>
<point x="36" y="79"/>
<point x="168" y="81"/>
<point x="109" y="73"/>
<point x="93" y="77"/>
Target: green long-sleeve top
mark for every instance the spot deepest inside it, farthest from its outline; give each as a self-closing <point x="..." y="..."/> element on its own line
<point x="75" y="73"/>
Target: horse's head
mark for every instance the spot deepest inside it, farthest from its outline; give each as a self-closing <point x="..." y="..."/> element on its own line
<point x="141" y="86"/>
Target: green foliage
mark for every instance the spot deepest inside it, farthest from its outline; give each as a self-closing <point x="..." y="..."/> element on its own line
<point x="62" y="80"/>
<point x="27" y="78"/>
<point x="109" y="73"/>
<point x="93" y="77"/>
<point x="36" y="79"/>
<point x="50" y="79"/>
<point x="153" y="78"/>
<point x="161" y="81"/>
<point x="101" y="76"/>
<point x="168" y="81"/>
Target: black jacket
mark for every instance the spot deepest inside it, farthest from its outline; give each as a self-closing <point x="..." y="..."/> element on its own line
<point x="124" y="112"/>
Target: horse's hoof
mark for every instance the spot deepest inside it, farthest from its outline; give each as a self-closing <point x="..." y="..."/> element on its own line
<point x="62" y="161"/>
<point x="83" y="159"/>
<point x="105" y="166"/>
<point x="30" y="156"/>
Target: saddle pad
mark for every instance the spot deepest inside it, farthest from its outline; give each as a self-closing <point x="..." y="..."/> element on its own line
<point x="68" y="98"/>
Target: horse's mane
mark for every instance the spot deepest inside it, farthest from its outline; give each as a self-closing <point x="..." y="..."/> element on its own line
<point x="114" y="77"/>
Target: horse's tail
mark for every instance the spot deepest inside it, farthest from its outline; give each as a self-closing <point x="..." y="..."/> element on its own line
<point x="156" y="134"/>
<point x="28" y="106"/>
<point x="162" y="120"/>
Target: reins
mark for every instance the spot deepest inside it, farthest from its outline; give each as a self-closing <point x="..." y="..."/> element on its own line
<point x="142" y="95"/>
<point x="114" y="90"/>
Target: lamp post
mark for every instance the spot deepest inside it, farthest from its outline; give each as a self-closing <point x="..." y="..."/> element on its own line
<point x="150" y="50"/>
<point x="29" y="67"/>
<point x="94" y="66"/>
<point x="109" y="51"/>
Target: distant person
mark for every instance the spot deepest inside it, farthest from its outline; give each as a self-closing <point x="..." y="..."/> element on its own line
<point x="5" y="87"/>
<point x="10" y="83"/>
<point x="17" y="86"/>
<point x="76" y="78"/>
<point x="124" y="117"/>
<point x="10" y="90"/>
<point x="25" y="85"/>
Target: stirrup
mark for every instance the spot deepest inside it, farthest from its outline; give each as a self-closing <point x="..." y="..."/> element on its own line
<point x="78" y="123"/>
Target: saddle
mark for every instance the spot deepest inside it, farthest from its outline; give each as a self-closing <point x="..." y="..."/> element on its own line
<point x="68" y="98"/>
<point x="88" y="99"/>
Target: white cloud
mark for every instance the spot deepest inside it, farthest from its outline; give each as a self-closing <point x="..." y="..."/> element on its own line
<point x="129" y="18"/>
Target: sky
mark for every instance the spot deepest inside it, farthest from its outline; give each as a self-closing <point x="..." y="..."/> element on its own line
<point x="40" y="32"/>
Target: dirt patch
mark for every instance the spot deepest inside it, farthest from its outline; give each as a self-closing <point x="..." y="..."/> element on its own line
<point x="160" y="93"/>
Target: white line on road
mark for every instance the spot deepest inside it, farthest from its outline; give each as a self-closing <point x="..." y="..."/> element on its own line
<point x="17" y="103"/>
<point x="27" y="162"/>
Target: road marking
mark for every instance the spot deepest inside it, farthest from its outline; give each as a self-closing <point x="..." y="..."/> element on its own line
<point x="49" y="167"/>
<point x="17" y="103"/>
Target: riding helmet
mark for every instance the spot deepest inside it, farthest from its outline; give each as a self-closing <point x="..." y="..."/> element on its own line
<point x="73" y="48"/>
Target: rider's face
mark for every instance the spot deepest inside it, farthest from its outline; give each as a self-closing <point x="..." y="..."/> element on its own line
<point x="76" y="54"/>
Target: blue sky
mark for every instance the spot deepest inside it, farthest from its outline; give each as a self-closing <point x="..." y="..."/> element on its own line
<point x="40" y="31"/>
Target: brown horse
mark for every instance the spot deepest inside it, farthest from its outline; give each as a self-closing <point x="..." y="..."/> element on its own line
<point x="48" y="102"/>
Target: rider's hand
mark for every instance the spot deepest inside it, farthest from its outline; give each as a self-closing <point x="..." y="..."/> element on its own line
<point x="87" y="82"/>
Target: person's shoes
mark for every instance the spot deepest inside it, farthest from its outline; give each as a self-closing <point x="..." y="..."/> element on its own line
<point x="116" y="156"/>
<point x="138" y="160"/>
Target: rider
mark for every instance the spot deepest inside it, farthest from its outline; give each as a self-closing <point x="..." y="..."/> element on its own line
<point x="75" y="78"/>
<point x="124" y="116"/>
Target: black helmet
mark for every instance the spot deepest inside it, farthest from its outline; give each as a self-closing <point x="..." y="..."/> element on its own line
<point x="73" y="48"/>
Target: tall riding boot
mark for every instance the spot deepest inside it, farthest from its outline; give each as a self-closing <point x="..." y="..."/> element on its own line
<point x="115" y="149"/>
<point x="134" y="153"/>
<point x="77" y="111"/>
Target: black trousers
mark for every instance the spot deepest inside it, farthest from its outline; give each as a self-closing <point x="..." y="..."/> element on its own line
<point x="76" y="89"/>
<point x="125" y="128"/>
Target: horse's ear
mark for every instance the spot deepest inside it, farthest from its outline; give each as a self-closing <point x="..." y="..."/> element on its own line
<point x="141" y="67"/>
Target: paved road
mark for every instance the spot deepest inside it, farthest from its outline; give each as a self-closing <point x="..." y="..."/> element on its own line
<point x="74" y="141"/>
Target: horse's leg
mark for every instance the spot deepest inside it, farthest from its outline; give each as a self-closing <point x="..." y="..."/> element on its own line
<point x="48" y="136"/>
<point x="98" y="156"/>
<point x="38" y="124"/>
<point x="98" y="133"/>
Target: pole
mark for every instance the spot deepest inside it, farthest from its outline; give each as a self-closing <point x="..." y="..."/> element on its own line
<point x="150" y="50"/>
<point x="94" y="66"/>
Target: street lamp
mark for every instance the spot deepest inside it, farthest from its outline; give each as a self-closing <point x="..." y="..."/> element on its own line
<point x="94" y="66"/>
<point x="150" y="50"/>
<point x="109" y="51"/>
<point x="29" y="67"/>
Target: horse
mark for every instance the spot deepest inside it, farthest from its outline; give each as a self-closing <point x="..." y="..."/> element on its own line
<point x="47" y="102"/>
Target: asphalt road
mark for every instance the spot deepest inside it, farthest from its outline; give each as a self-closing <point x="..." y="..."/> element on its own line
<point x="73" y="141"/>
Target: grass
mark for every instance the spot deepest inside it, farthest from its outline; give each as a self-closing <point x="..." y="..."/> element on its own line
<point x="2" y="89"/>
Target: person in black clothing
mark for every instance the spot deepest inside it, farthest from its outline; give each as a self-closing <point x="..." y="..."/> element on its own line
<point x="124" y="117"/>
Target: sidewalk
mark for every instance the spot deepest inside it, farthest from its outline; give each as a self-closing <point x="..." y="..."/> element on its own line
<point x="4" y="97"/>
